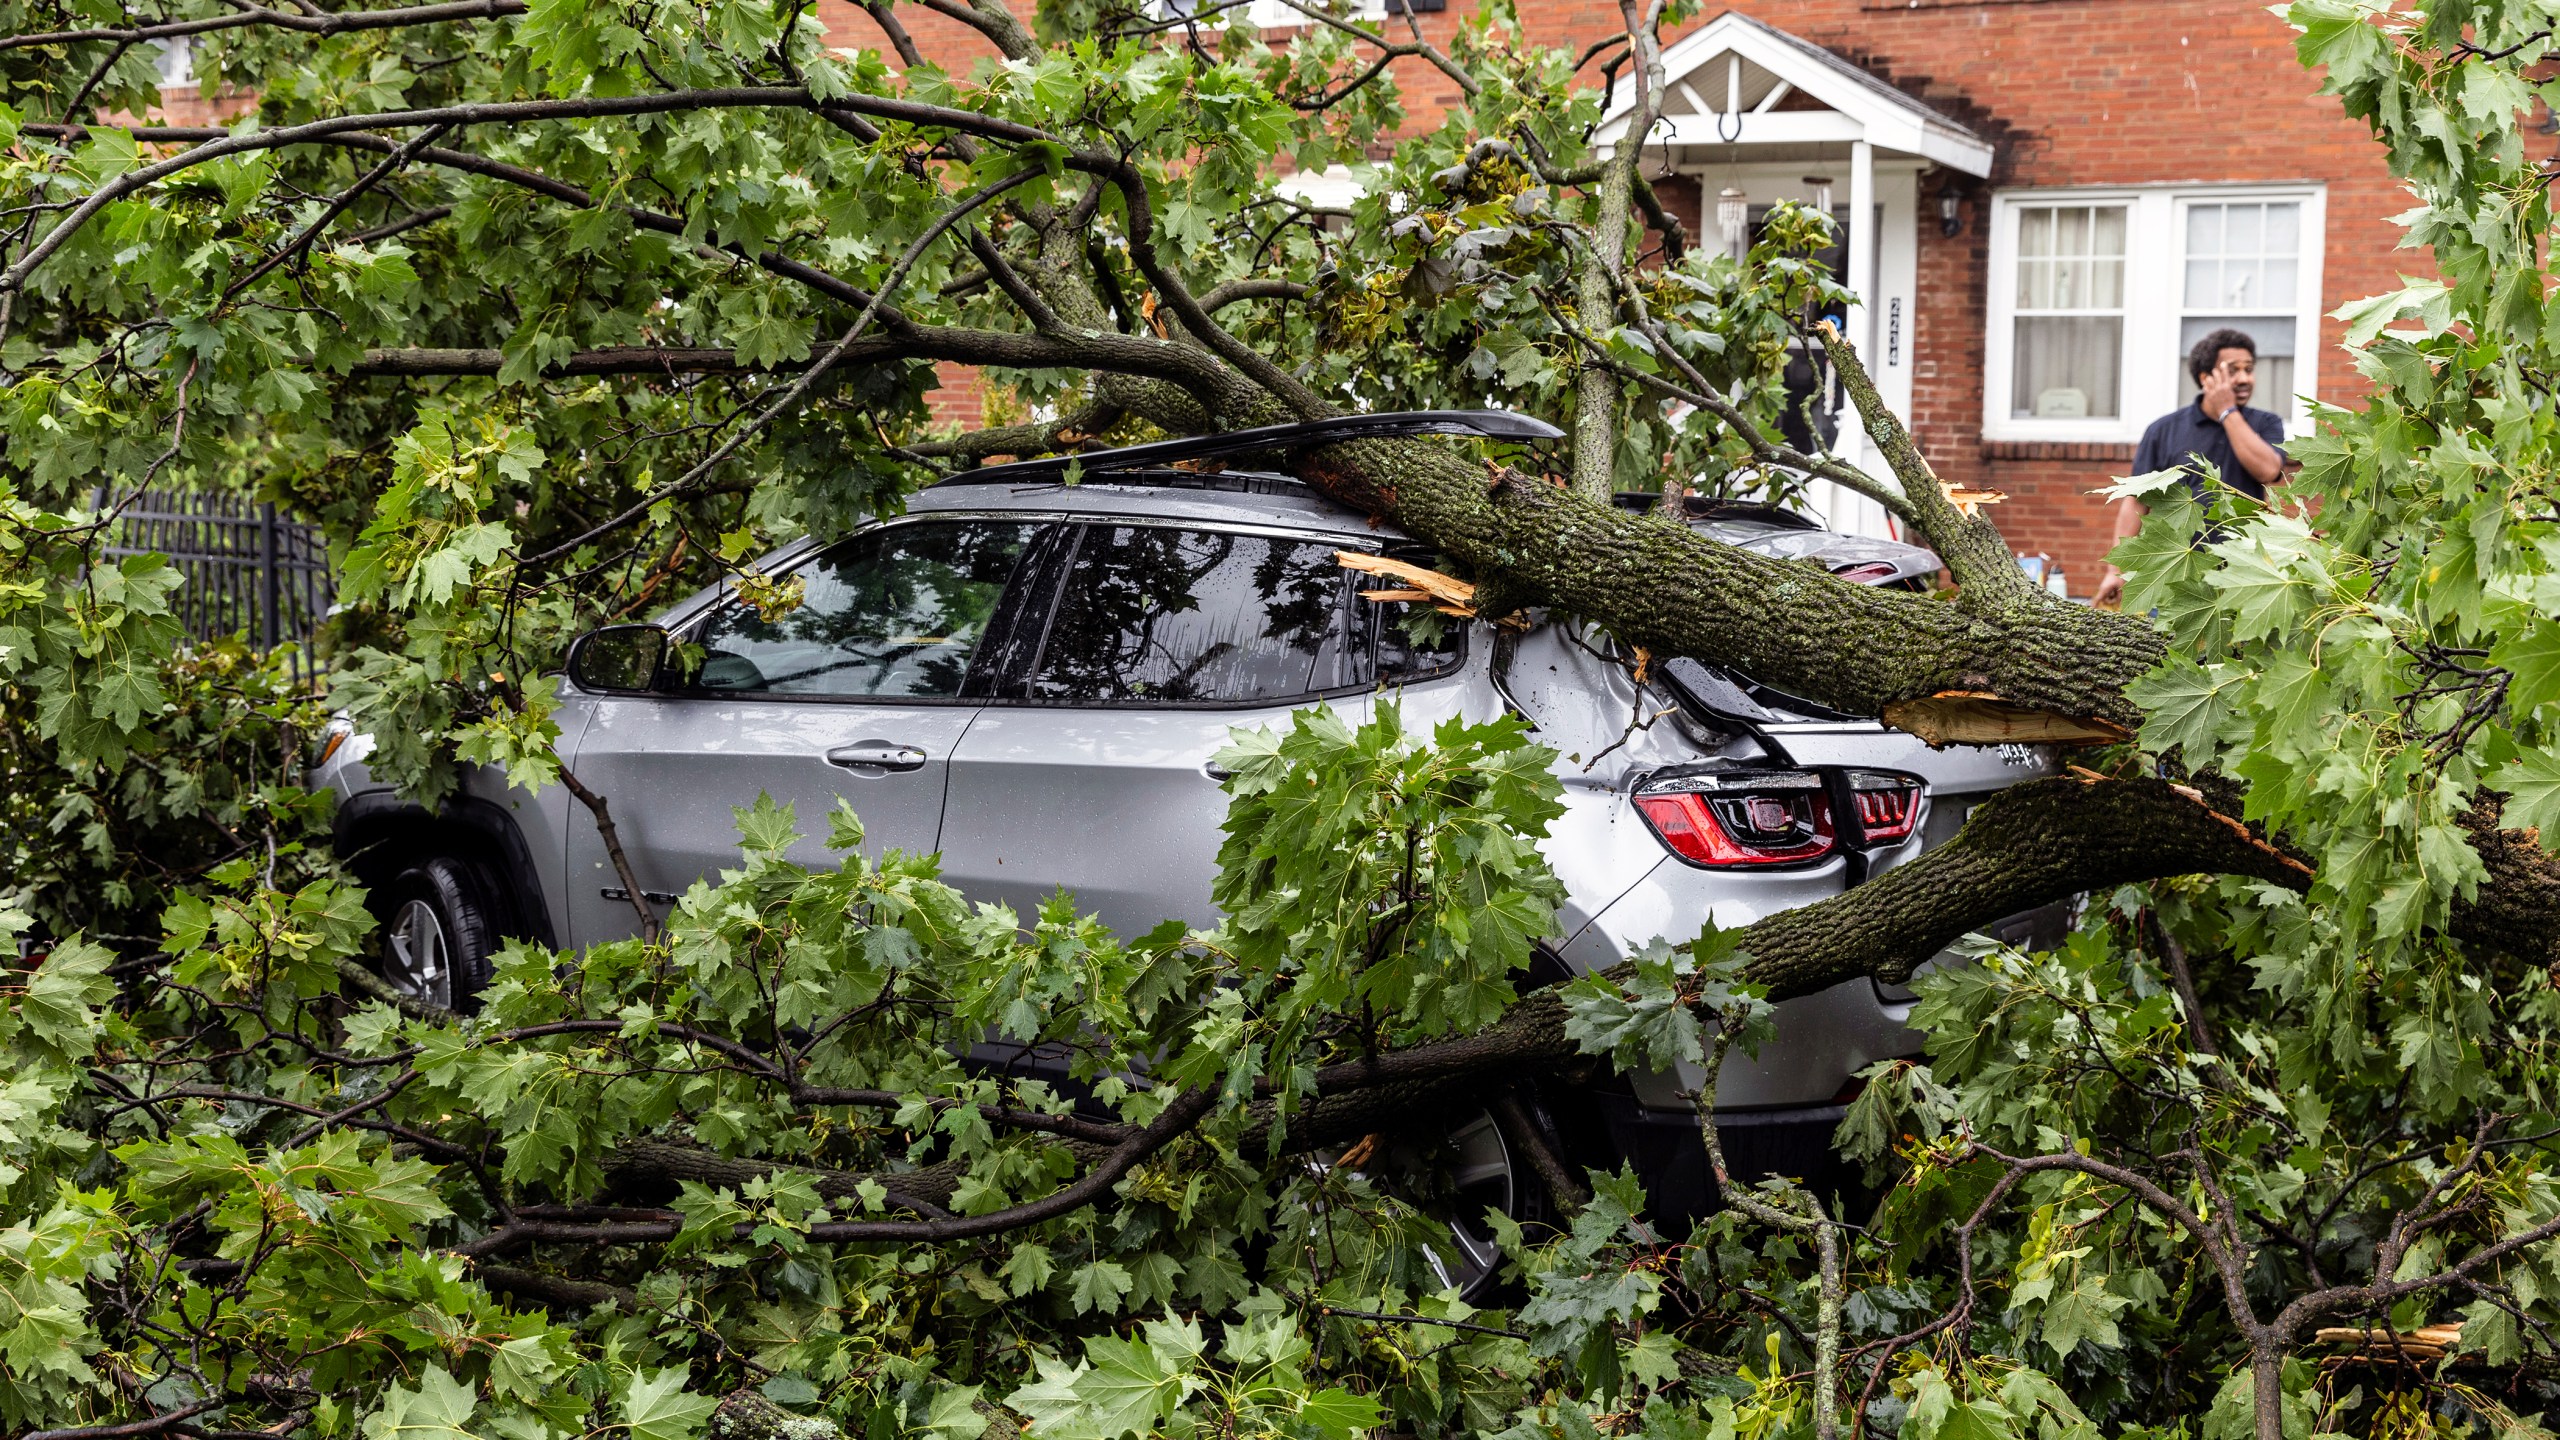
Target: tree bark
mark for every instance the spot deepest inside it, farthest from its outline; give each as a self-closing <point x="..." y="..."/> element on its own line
<point x="2517" y="909"/>
<point x="747" y="1415"/>
<point x="1786" y="624"/>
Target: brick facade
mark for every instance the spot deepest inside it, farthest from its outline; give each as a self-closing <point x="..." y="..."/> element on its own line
<point x="2071" y="92"/>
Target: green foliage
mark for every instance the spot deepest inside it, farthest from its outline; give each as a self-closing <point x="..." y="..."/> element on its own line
<point x="1652" y="1023"/>
<point x="648" y="1175"/>
<point x="1367" y="875"/>
<point x="318" y="1187"/>
<point x="129" y="765"/>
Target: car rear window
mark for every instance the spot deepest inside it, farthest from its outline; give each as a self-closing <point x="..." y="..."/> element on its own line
<point x="897" y="612"/>
<point x="1155" y="615"/>
<point x="1161" y="615"/>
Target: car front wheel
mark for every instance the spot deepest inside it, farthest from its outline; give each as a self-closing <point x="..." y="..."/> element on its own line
<point x="439" y="933"/>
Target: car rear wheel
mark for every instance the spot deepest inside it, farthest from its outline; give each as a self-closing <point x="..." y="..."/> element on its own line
<point x="438" y="934"/>
<point x="1454" y="1172"/>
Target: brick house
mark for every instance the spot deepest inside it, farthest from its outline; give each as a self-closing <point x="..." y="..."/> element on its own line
<point x="2057" y="196"/>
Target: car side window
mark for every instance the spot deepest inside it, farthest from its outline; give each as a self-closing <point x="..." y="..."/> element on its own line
<point x="896" y="612"/>
<point x="1157" y="615"/>
<point x="1413" y="640"/>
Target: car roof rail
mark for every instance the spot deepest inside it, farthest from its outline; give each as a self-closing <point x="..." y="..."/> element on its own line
<point x="1487" y="424"/>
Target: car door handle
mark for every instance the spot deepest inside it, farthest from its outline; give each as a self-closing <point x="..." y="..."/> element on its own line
<point x="883" y="756"/>
<point x="1216" y="771"/>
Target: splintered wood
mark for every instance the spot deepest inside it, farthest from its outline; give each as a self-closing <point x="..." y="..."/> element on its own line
<point x="2380" y="1345"/>
<point x="1444" y="593"/>
<point x="1969" y="503"/>
<point x="1978" y="717"/>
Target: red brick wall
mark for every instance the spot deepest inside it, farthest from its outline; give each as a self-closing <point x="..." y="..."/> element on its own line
<point x="2073" y="92"/>
<point x="961" y="402"/>
<point x="2101" y="92"/>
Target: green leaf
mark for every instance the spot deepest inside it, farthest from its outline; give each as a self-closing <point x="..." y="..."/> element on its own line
<point x="2532" y="785"/>
<point x="2533" y="655"/>
<point x="439" y="1409"/>
<point x="954" y="1414"/>
<point x="2084" y="1314"/>
<point x="1131" y="1388"/>
<point x="1097" y="1287"/>
<point x="1337" y="1414"/>
<point x="657" y="1406"/>
<point x="1027" y="1268"/>
<point x="2183" y="708"/>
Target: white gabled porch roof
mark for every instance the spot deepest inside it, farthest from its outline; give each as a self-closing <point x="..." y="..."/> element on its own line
<point x="1728" y="77"/>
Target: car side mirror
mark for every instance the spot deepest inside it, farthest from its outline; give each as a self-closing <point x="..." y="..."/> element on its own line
<point x="619" y="659"/>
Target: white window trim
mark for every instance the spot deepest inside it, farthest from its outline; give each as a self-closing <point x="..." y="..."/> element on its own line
<point x="1274" y="15"/>
<point x="2155" y="266"/>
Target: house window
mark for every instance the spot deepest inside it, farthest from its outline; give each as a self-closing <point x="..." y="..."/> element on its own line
<point x="1279" y="15"/>
<point x="176" y="62"/>
<point x="2068" y="334"/>
<point x="2096" y="297"/>
<point x="2243" y="260"/>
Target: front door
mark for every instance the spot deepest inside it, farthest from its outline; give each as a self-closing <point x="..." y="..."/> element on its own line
<point x="860" y="693"/>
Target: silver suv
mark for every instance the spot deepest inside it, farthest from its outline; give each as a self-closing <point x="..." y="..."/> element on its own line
<point x="1029" y="672"/>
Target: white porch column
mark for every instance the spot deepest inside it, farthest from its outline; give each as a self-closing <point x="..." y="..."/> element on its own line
<point x="1862" y="244"/>
<point x="1861" y="278"/>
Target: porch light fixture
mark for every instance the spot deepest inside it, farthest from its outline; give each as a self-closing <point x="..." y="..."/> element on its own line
<point x="1821" y="186"/>
<point x="1733" y="217"/>
<point x="1950" y="211"/>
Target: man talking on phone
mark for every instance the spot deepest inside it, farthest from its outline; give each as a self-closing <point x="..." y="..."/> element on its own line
<point x="2243" y="446"/>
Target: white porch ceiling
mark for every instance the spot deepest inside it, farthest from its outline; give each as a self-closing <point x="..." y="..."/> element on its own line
<point x="1727" y="77"/>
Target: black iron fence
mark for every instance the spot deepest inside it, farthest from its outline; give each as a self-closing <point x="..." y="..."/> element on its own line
<point x="250" y="572"/>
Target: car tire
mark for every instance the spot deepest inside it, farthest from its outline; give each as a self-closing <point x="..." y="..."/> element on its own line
<point x="438" y="934"/>
<point x="1454" y="1170"/>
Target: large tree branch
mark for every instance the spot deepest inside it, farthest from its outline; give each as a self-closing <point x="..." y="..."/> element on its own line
<point x="1136" y="355"/>
<point x="2033" y="844"/>
<point x="791" y="394"/>
<point x="1596" y="391"/>
<point x="327" y="23"/>
<point x="1177" y="1118"/>
<point x="517" y="112"/>
<point x="1676" y="592"/>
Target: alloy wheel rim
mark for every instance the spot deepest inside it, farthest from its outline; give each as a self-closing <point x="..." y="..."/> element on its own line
<point x="417" y="960"/>
<point x="1474" y="1174"/>
<point x="1479" y="1180"/>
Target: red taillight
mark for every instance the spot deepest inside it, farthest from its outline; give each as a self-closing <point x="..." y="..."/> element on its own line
<point x="1874" y="572"/>
<point x="1741" y="819"/>
<point x="1888" y="805"/>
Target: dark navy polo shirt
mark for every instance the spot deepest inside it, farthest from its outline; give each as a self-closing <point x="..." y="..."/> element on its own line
<point x="2189" y="431"/>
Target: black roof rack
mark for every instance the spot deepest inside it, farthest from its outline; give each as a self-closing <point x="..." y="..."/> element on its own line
<point x="1490" y="424"/>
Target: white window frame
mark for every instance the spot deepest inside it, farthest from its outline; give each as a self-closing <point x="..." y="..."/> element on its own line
<point x="1273" y="15"/>
<point x="2155" y="307"/>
